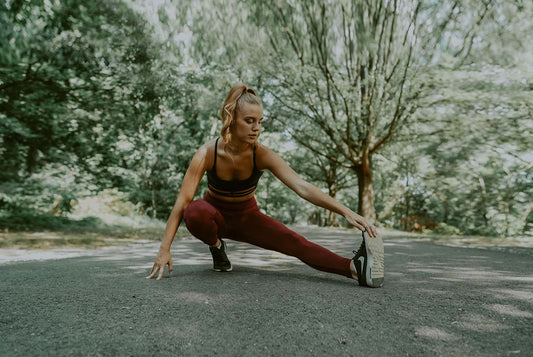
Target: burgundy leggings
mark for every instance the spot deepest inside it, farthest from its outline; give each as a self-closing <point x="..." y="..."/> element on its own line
<point x="211" y="218"/>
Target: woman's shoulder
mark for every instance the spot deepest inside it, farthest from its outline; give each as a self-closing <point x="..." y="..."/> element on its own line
<point x="205" y="153"/>
<point x="264" y="156"/>
<point x="263" y="150"/>
<point x="208" y="146"/>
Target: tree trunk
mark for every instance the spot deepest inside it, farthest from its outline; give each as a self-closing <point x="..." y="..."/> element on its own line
<point x="366" y="207"/>
<point x="407" y="226"/>
<point x="31" y="160"/>
<point x="507" y="200"/>
<point x="154" y="209"/>
<point x="483" y="200"/>
<point x="446" y="211"/>
<point x="443" y="196"/>
<point x="523" y="220"/>
<point x="332" y="220"/>
<point x="293" y="211"/>
<point x="330" y="216"/>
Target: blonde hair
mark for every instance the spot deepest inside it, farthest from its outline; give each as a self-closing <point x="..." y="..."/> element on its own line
<point x="238" y="95"/>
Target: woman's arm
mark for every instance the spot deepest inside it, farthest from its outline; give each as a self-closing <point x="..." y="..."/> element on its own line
<point x="272" y="161"/>
<point x="190" y="183"/>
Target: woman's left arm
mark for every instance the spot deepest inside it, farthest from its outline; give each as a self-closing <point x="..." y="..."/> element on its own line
<point x="270" y="160"/>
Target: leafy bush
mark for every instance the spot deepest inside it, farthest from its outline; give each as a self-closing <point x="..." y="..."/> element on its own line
<point x="25" y="219"/>
<point x="447" y="229"/>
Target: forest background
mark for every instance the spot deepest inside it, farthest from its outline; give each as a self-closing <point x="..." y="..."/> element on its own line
<point x="417" y="114"/>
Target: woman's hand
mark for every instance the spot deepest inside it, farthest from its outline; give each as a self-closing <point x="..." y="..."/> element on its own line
<point x="361" y="223"/>
<point x="161" y="261"/>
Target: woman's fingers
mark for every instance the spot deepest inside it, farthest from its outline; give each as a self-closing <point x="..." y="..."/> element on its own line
<point x="161" y="271"/>
<point x="370" y="231"/>
<point x="362" y="224"/>
<point x="153" y="272"/>
<point x="159" y="266"/>
<point x="358" y="226"/>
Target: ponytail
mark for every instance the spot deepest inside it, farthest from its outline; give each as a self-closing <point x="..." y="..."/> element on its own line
<point x="237" y="96"/>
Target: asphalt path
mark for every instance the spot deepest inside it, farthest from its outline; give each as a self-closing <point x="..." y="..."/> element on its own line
<point x="437" y="300"/>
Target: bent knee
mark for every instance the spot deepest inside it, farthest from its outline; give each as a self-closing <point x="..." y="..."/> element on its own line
<point x="198" y="212"/>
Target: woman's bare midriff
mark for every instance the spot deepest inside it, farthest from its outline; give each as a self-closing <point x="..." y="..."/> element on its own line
<point x="231" y="199"/>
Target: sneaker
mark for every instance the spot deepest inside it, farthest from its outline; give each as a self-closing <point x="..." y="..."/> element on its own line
<point x="369" y="261"/>
<point x="220" y="259"/>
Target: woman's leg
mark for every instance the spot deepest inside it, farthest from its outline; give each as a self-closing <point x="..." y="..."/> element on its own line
<point x="204" y="221"/>
<point x="266" y="232"/>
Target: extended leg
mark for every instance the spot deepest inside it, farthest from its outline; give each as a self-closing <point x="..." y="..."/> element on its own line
<point x="266" y="232"/>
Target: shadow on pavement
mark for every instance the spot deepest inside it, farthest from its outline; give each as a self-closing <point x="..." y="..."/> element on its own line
<point x="436" y="300"/>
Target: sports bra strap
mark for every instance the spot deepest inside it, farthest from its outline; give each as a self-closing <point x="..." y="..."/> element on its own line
<point x="232" y="188"/>
<point x="215" y="161"/>
<point x="254" y="157"/>
<point x="215" y="164"/>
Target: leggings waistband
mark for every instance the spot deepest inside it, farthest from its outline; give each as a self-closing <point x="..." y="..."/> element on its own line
<point x="248" y="205"/>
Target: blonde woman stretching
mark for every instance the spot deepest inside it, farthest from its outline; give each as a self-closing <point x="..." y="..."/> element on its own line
<point x="234" y="164"/>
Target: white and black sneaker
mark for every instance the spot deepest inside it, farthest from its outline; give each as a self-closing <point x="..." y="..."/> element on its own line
<point x="369" y="261"/>
<point x="220" y="259"/>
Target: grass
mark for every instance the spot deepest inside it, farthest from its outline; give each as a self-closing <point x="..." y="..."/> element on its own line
<point x="27" y="230"/>
<point x="37" y="231"/>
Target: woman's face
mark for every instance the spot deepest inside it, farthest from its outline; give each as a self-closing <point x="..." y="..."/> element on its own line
<point x="247" y="125"/>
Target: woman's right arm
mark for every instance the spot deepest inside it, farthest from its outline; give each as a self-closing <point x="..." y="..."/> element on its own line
<point x="190" y="183"/>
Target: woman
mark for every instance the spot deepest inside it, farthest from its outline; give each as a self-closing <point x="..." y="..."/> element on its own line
<point x="234" y="166"/>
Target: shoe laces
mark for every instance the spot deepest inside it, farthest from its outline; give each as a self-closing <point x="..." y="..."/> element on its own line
<point x="217" y="253"/>
<point x="356" y="251"/>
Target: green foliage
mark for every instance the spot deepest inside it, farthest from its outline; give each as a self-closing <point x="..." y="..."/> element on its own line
<point x="24" y="219"/>
<point x="273" y="197"/>
<point x="114" y="94"/>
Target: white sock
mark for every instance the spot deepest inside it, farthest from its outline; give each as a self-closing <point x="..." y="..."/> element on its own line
<point x="353" y="266"/>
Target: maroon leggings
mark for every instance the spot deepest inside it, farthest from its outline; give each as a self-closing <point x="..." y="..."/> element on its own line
<point x="211" y="218"/>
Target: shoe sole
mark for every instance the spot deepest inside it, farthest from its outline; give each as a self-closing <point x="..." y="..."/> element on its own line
<point x="376" y="256"/>
<point x="223" y="270"/>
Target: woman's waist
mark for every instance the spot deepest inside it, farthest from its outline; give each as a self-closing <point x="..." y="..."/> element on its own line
<point x="232" y="203"/>
<point x="233" y="191"/>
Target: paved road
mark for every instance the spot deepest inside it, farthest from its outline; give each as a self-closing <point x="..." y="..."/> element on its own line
<point x="436" y="300"/>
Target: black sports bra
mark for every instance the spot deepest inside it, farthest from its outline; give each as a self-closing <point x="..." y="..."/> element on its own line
<point x="233" y="188"/>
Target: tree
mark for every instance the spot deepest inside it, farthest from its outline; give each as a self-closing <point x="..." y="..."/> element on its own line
<point x="348" y="78"/>
<point x="61" y="68"/>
